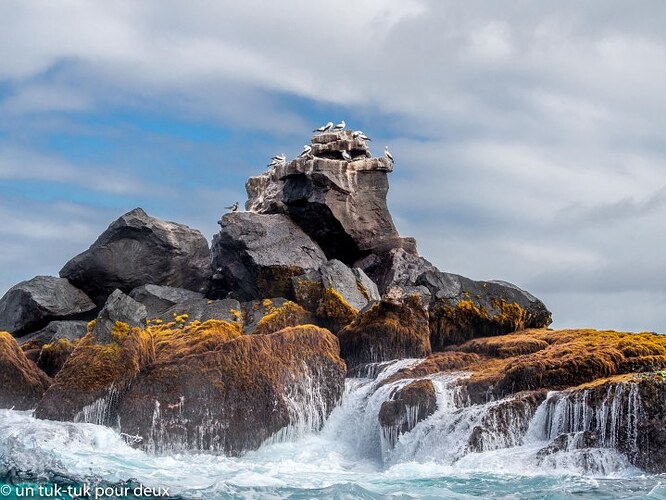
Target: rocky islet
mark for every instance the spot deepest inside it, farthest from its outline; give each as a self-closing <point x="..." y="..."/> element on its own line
<point x="192" y="347"/>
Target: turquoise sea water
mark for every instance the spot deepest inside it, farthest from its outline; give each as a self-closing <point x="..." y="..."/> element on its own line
<point x="347" y="459"/>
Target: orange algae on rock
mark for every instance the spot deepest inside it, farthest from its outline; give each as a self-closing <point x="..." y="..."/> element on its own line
<point x="546" y="359"/>
<point x="22" y="383"/>
<point x="53" y="356"/>
<point x="386" y="331"/>
<point x="334" y="311"/>
<point x="235" y="397"/>
<point x="287" y="315"/>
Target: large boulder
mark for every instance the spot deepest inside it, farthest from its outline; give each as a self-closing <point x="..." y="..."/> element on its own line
<point x="31" y="304"/>
<point x="120" y="312"/>
<point x="335" y="293"/>
<point x="22" y="384"/>
<point x="387" y="330"/>
<point x="256" y="256"/>
<point x="158" y="299"/>
<point x="460" y="308"/>
<point x="236" y="397"/>
<point x="341" y="204"/>
<point x="136" y="250"/>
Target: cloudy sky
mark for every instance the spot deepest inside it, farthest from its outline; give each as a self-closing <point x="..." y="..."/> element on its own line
<point x="529" y="137"/>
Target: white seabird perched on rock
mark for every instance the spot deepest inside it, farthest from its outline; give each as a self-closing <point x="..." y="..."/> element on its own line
<point x="346" y="156"/>
<point x="358" y="134"/>
<point x="306" y="150"/>
<point x="233" y="208"/>
<point x="340" y="126"/>
<point x="388" y="154"/>
<point x="325" y="128"/>
<point x="278" y="161"/>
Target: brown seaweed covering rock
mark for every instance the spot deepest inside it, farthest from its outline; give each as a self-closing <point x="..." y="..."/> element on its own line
<point x="407" y="407"/>
<point x="271" y="315"/>
<point x="95" y="376"/>
<point x="22" y="384"/>
<point x="544" y="359"/>
<point x="386" y="331"/>
<point x="234" y="398"/>
<point x="52" y="357"/>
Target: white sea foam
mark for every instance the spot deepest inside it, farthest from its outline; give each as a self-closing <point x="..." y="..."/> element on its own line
<point x="351" y="455"/>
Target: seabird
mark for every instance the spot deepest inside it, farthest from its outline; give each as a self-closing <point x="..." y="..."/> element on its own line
<point x="364" y="137"/>
<point x="345" y="156"/>
<point x="340" y="126"/>
<point x="388" y="154"/>
<point x="325" y="128"/>
<point x="306" y="151"/>
<point x="281" y="157"/>
<point x="233" y="208"/>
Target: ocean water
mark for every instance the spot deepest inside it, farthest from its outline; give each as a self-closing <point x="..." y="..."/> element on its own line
<point x="350" y="457"/>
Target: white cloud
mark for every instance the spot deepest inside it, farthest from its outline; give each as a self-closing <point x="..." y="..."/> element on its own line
<point x="541" y="151"/>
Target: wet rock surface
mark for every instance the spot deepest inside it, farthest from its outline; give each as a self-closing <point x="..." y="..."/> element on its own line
<point x="407" y="407"/>
<point x="386" y="331"/>
<point x="31" y="305"/>
<point x="234" y="398"/>
<point x="136" y="250"/>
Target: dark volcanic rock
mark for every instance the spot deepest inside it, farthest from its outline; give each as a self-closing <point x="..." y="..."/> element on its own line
<point x="256" y="256"/>
<point x="203" y="310"/>
<point x="119" y="308"/>
<point x="386" y="331"/>
<point x="158" y="299"/>
<point x="460" y="308"/>
<point x="137" y="250"/>
<point x="406" y="408"/>
<point x="22" y="384"/>
<point x="56" y="330"/>
<point x="31" y="304"/>
<point x="340" y="204"/>
<point x="236" y="397"/>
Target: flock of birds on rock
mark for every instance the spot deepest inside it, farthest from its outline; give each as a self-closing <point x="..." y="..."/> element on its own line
<point x="281" y="160"/>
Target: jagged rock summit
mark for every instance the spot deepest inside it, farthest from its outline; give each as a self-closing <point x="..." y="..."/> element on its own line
<point x="340" y="204"/>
